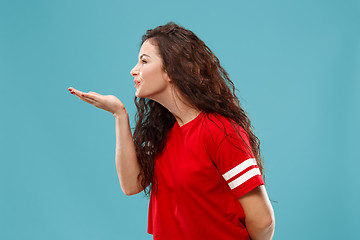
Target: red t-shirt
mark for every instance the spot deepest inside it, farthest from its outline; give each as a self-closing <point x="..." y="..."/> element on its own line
<point x="200" y="174"/>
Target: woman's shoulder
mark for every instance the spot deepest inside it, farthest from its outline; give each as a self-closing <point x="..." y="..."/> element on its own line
<point x="220" y="123"/>
<point x="219" y="126"/>
<point x="221" y="130"/>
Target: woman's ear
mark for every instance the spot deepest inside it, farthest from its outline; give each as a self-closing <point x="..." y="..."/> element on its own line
<point x="166" y="77"/>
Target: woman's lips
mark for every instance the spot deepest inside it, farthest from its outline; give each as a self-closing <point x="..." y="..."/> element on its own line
<point x="136" y="83"/>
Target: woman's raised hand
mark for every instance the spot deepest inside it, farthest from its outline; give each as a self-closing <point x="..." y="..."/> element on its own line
<point x="109" y="103"/>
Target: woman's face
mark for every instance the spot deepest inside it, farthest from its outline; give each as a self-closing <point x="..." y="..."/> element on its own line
<point x="149" y="77"/>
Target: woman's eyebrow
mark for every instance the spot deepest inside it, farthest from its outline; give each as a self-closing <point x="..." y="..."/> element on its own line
<point x="144" y="55"/>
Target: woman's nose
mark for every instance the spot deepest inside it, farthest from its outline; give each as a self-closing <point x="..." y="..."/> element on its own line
<point x="134" y="71"/>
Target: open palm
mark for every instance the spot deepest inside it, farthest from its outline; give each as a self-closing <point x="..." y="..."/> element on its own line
<point x="109" y="103"/>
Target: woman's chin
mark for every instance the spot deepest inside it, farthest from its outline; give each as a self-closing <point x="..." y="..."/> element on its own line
<point x="138" y="94"/>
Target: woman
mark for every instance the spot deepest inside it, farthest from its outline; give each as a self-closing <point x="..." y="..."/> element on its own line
<point x="192" y="145"/>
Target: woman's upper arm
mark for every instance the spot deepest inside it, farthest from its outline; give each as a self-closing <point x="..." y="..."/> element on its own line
<point x="257" y="207"/>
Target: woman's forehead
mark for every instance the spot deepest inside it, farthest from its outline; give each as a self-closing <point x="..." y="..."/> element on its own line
<point x="148" y="49"/>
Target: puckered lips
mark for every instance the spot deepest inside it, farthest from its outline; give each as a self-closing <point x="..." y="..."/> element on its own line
<point x="137" y="82"/>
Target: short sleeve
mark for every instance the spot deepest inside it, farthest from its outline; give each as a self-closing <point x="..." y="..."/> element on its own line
<point x="237" y="164"/>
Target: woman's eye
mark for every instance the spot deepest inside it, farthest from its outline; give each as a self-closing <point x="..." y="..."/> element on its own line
<point x="144" y="61"/>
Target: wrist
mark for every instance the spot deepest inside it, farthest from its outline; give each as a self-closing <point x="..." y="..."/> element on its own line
<point x="121" y="114"/>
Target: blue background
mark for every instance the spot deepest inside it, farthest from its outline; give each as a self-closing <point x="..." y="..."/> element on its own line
<point x="296" y="65"/>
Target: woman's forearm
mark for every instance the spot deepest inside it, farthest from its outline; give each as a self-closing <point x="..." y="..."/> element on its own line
<point x="126" y="162"/>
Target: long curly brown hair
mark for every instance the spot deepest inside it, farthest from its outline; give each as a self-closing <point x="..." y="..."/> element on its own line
<point x="197" y="73"/>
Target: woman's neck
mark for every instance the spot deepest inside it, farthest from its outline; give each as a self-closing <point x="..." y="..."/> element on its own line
<point x="179" y="106"/>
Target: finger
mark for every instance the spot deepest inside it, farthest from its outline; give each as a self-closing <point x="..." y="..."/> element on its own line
<point x="76" y="92"/>
<point x="90" y="95"/>
<point x="71" y="89"/>
<point x="83" y="96"/>
<point x="80" y="93"/>
<point x="88" y="100"/>
<point x="95" y="93"/>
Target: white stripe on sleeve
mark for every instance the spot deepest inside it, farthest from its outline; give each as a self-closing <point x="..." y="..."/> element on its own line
<point x="243" y="178"/>
<point x="239" y="168"/>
